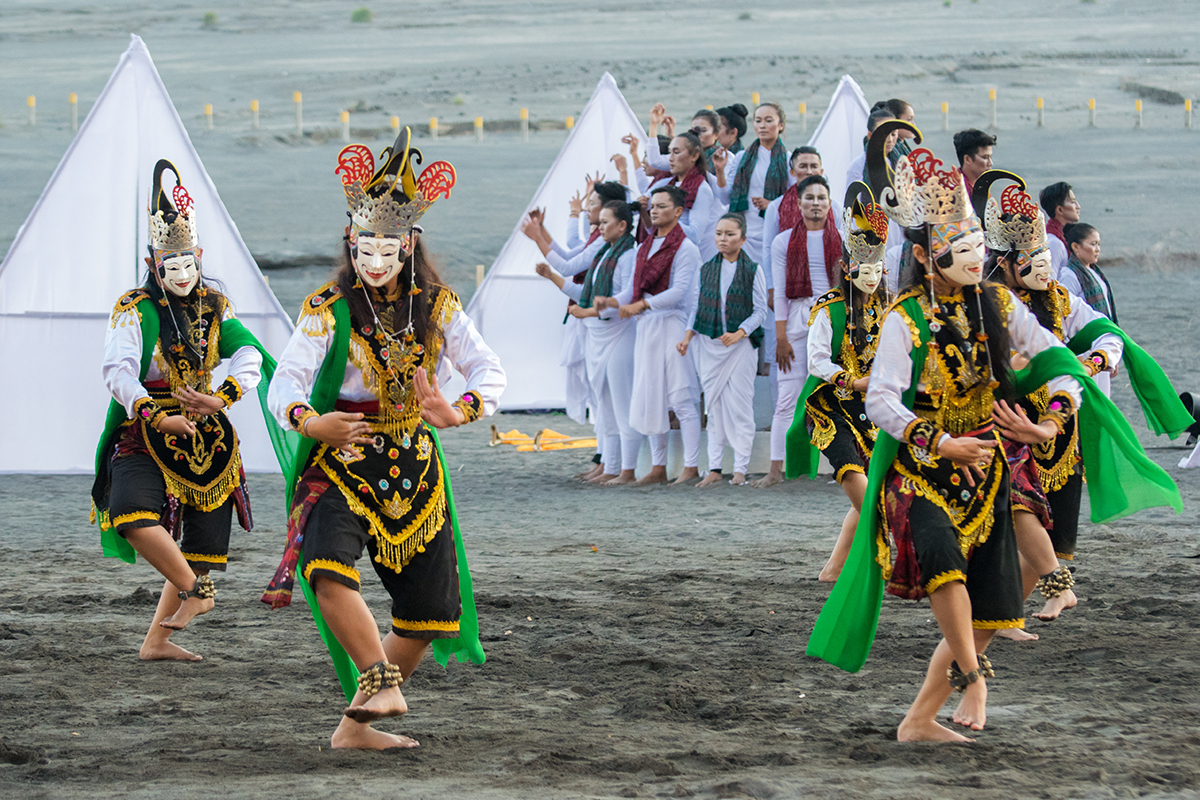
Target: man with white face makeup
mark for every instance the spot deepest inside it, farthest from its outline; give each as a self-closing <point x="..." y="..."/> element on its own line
<point x="941" y="363"/>
<point x="358" y="385"/>
<point x="843" y="332"/>
<point x="169" y="468"/>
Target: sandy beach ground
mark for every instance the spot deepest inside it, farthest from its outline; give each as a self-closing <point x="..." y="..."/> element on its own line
<point x="641" y="643"/>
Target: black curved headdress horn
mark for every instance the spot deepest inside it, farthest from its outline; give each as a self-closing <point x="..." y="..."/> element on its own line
<point x="855" y="193"/>
<point x="983" y="187"/>
<point x="160" y="200"/>
<point x="395" y="160"/>
<point x="879" y="171"/>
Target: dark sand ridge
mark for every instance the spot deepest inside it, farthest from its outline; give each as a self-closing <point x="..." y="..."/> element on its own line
<point x="666" y="662"/>
<point x="459" y="60"/>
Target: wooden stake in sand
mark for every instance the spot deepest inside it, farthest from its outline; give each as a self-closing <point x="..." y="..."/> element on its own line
<point x="433" y="128"/>
<point x="254" y="115"/>
<point x="73" y="99"/>
<point x="1091" y="112"/>
<point x="992" y="109"/>
<point x="395" y="124"/>
<point x="1137" y="113"/>
<point x="345" y="126"/>
<point x="945" y="116"/>
<point x="803" y="117"/>
<point x="570" y="123"/>
<point x="754" y="100"/>
<point x="32" y="103"/>
<point x="208" y="116"/>
<point x="479" y="270"/>
<point x="297" y="99"/>
<point x="524" y="124"/>
<point x="1041" y="105"/>
<point x="1187" y="113"/>
<point x="479" y="129"/>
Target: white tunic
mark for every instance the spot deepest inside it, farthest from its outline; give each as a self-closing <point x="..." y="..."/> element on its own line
<point x="797" y="310"/>
<point x="891" y="372"/>
<point x="123" y="360"/>
<point x="463" y="348"/>
<point x="758" y="182"/>
<point x="698" y="221"/>
<point x="771" y="230"/>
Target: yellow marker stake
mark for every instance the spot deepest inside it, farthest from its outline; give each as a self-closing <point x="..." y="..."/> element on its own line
<point x="992" y="109"/>
<point x="754" y="98"/>
<point x="345" y="126"/>
<point x="570" y="123"/>
<point x="433" y="128"/>
<point x="1091" y="112"/>
<point x="1187" y="113"/>
<point x="525" y="124"/>
<point x="296" y="98"/>
<point x="73" y="99"/>
<point x="31" y="101"/>
<point x="709" y="107"/>
<point x="395" y="123"/>
<point x="479" y="129"/>
<point x="803" y="109"/>
<point x="945" y="116"/>
<point x="1137" y="110"/>
<point x="254" y="114"/>
<point x="1041" y="112"/>
<point x="208" y="115"/>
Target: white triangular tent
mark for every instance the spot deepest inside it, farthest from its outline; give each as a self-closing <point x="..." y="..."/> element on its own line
<point x="519" y="314"/>
<point x="81" y="248"/>
<point x="838" y="138"/>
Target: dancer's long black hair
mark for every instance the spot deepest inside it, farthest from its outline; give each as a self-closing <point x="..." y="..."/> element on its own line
<point x="992" y="322"/>
<point x="1039" y="301"/>
<point x="428" y="281"/>
<point x="172" y="322"/>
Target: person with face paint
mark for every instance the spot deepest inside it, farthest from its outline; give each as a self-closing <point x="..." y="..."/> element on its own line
<point x="731" y="306"/>
<point x="609" y="344"/>
<point x="686" y="170"/>
<point x="935" y="519"/>
<point x="748" y="181"/>
<point x="1017" y="238"/>
<point x="843" y="333"/>
<point x="357" y="387"/>
<point x="783" y="213"/>
<point x="168" y="468"/>
<point x="667" y="266"/>
<point x="805" y="261"/>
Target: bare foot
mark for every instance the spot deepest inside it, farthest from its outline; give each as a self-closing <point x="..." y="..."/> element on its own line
<point x="619" y="480"/>
<point x="385" y="703"/>
<point x="603" y="477"/>
<point x="709" y="480"/>
<point x="972" y="710"/>
<point x="188" y="610"/>
<point x="772" y="478"/>
<point x="1056" y="605"/>
<point x="1016" y="635"/>
<point x="588" y="474"/>
<point x="739" y="479"/>
<point x="166" y="651"/>
<point x="655" y="475"/>
<point x="350" y="735"/>
<point x="688" y="475"/>
<point x="927" y="731"/>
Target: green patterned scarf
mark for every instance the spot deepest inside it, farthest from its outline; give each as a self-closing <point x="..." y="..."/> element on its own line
<point x="1096" y="293"/>
<point x="599" y="279"/>
<point x="775" y="184"/>
<point x="739" y="302"/>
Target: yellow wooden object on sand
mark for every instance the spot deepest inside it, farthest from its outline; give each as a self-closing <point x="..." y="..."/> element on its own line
<point x="544" y="440"/>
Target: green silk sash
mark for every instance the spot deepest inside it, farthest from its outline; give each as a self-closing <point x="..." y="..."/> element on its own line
<point x="801" y="456"/>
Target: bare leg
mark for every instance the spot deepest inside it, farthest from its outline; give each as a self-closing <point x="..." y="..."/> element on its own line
<point x="657" y="474"/>
<point x="156" y="546"/>
<point x="626" y="477"/>
<point x="156" y="647"/>
<point x="688" y="474"/>
<point x="772" y="478"/>
<point x="713" y="476"/>
<point x="952" y="607"/>
<point x="854" y="484"/>
<point x="1037" y="558"/>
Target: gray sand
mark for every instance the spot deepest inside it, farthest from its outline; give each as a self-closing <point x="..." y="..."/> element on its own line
<point x="641" y="643"/>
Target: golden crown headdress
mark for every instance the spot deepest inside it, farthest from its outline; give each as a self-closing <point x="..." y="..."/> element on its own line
<point x="172" y="227"/>
<point x="920" y="191"/>
<point x="389" y="202"/>
<point x="1014" y="223"/>
<point x="861" y="219"/>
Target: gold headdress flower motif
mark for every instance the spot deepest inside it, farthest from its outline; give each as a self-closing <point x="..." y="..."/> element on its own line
<point x="862" y="219"/>
<point x="388" y="202"/>
<point x="1014" y="223"/>
<point x="172" y="226"/>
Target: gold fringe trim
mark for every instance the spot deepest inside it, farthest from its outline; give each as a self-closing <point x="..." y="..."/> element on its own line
<point x="332" y="566"/>
<point x="938" y="581"/>
<point x="1065" y="556"/>
<point x="132" y="517"/>
<point x="203" y="498"/>
<point x="206" y="558"/>
<point x="428" y="625"/>
<point x="997" y="624"/>
<point x="848" y="468"/>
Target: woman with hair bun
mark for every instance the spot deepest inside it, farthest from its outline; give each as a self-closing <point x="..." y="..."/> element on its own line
<point x="732" y="127"/>
<point x="686" y="169"/>
<point x="748" y="181"/>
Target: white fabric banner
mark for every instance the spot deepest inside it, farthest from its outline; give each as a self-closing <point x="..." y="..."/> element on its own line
<point x="838" y="138"/>
<point x="81" y="248"/>
<point x="519" y="314"/>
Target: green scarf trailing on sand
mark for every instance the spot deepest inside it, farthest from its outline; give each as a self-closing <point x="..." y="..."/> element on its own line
<point x="294" y="451"/>
<point x="1165" y="412"/>
<point x="1121" y="481"/>
<point x="801" y="456"/>
<point x="234" y="336"/>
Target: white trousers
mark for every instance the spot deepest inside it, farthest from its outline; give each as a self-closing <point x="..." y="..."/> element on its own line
<point x="689" y="430"/>
<point x="792" y="381"/>
<point x="610" y="373"/>
<point x="727" y="376"/>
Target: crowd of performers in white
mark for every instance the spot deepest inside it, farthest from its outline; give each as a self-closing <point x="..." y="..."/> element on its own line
<point x="946" y="350"/>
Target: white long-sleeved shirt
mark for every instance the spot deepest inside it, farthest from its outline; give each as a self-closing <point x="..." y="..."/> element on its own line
<point x="759" y="298"/>
<point x="695" y="220"/>
<point x="820" y="347"/>
<point x="573" y="265"/>
<point x="680" y="295"/>
<point x="1078" y="316"/>
<point x="622" y="286"/>
<point x="816" y="270"/>
<point x="1071" y="283"/>
<point x="576" y="241"/>
<point x="462" y="347"/>
<point x="123" y="360"/>
<point x="891" y="372"/>
<point x="771" y="230"/>
<point x="1058" y="256"/>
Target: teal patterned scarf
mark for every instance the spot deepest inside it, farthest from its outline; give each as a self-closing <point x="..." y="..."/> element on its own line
<point x="1096" y="293"/>
<point x="739" y="302"/>
<point x="599" y="280"/>
<point x="775" y="184"/>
